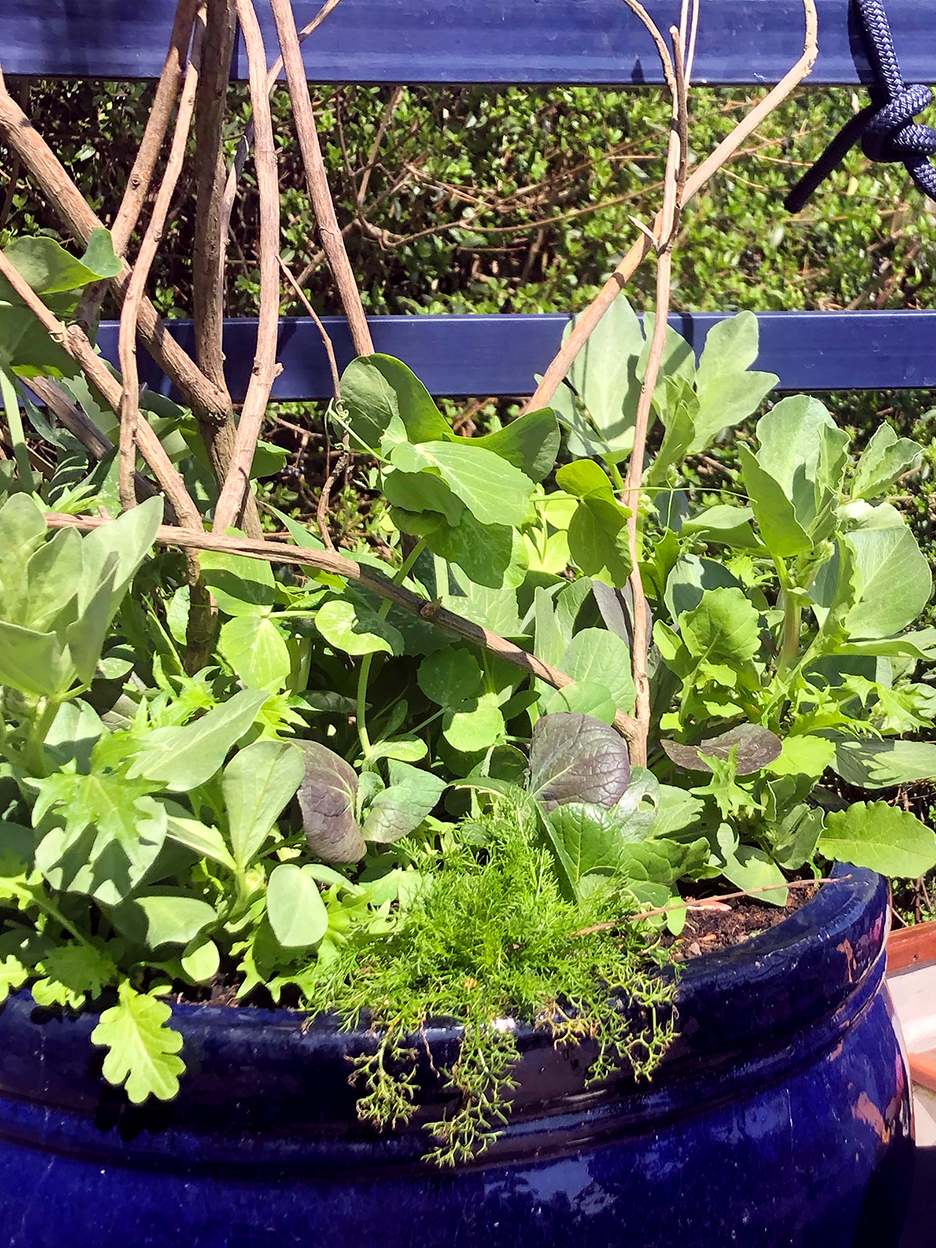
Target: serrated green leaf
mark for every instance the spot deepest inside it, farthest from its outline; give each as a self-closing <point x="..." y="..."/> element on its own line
<point x="142" y="1049"/>
<point x="594" y="655"/>
<point x="879" y="836"/>
<point x="12" y="976"/>
<point x="723" y="627"/>
<point x="74" y="973"/>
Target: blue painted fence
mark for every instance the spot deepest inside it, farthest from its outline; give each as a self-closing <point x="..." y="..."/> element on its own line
<point x="500" y="355"/>
<point x="462" y="41"/>
<point x="502" y="42"/>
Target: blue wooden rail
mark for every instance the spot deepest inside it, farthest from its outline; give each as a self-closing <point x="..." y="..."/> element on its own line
<point x="511" y="42"/>
<point x="465" y="41"/>
<point x="501" y="354"/>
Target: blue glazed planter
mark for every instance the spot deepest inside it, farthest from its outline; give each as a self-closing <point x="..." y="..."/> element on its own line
<point x="779" y="1118"/>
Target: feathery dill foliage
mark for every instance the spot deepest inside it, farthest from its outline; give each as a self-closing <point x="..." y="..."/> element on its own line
<point x="493" y="938"/>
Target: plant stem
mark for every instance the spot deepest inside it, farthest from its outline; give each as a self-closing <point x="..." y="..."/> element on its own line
<point x="17" y="436"/>
<point x="46" y="710"/>
<point x="364" y="674"/>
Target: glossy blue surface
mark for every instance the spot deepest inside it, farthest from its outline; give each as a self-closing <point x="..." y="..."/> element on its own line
<point x="779" y="1118"/>
<point x="496" y="41"/>
<point x="479" y="354"/>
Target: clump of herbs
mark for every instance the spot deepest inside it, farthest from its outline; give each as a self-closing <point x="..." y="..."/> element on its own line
<point x="492" y="942"/>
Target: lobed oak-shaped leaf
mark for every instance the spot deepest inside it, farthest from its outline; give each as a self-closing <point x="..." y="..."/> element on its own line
<point x="757" y="747"/>
<point x="576" y="758"/>
<point x="327" y="799"/>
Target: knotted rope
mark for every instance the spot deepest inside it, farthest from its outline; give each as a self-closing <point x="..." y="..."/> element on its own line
<point x="886" y="127"/>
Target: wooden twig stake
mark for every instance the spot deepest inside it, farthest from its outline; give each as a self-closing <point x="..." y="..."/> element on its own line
<point x="243" y="147"/>
<point x="138" y="183"/>
<point x="588" y="319"/>
<point x="73" y="340"/>
<point x="686" y="905"/>
<point x="667" y="222"/>
<point x="71" y="207"/>
<point x="210" y="241"/>
<point x="70" y="416"/>
<point x="129" y="410"/>
<point x="360" y="574"/>
<point x="326" y="340"/>
<point x="236" y="485"/>
<point x="317" y="181"/>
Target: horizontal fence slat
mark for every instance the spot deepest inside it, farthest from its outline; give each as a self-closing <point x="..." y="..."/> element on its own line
<point x="485" y="41"/>
<point x="500" y="355"/>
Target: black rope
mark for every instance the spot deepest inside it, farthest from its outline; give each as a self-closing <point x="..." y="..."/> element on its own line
<point x="885" y="128"/>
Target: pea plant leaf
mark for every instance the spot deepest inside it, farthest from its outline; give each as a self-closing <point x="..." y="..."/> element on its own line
<point x="353" y="628"/>
<point x="379" y="391"/>
<point x="142" y="1050"/>
<point x="449" y="676"/>
<point x="575" y="758"/>
<point x="530" y="443"/>
<point x="604" y="377"/>
<point x="493" y="490"/>
<point x="256" y="649"/>
<point x="239" y="585"/>
<point x="885" y="458"/>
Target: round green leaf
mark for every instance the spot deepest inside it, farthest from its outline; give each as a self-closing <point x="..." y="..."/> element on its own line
<point x="295" y="907"/>
<point x="355" y="629"/>
<point x="449" y="677"/>
<point x="257" y="650"/>
<point x="476" y="727"/>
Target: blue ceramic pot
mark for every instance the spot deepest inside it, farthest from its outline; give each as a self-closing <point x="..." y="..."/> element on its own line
<point x="779" y="1118"/>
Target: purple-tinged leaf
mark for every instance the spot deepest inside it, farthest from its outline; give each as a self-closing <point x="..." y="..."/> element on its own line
<point x="326" y="798"/>
<point x="576" y="758"/>
<point x="757" y="747"/>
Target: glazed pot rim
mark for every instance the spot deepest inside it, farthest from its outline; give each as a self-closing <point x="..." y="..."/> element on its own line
<point x="831" y="911"/>
<point x="743" y="1016"/>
